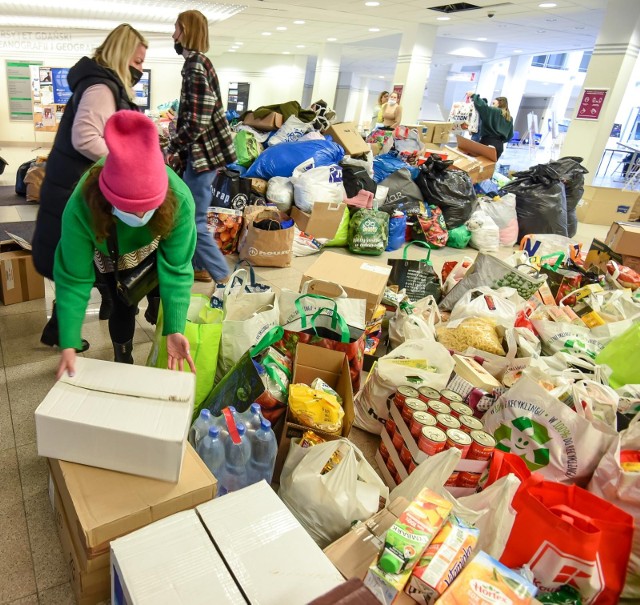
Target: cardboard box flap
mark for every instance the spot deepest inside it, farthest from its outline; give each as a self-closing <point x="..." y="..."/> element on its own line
<point x="475" y="149"/>
<point x="23" y="243"/>
<point x="133" y="381"/>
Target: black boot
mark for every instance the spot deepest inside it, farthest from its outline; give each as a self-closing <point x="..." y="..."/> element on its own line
<point x="50" y="334"/>
<point x="123" y="352"/>
<point x="151" y="314"/>
<point x="106" y="306"/>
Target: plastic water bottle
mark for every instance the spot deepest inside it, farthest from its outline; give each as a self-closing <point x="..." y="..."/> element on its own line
<point x="263" y="454"/>
<point x="211" y="450"/>
<point x="200" y="428"/>
<point x="251" y="417"/>
<point x="237" y="457"/>
<point x="221" y="422"/>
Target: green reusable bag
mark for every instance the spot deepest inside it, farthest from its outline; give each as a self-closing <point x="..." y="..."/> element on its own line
<point x="459" y="237"/>
<point x="203" y="331"/>
<point x="341" y="237"/>
<point x="368" y="232"/>
<point x="621" y="356"/>
<point x="247" y="148"/>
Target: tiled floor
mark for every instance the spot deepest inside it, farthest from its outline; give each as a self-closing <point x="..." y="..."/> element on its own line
<point x="32" y="568"/>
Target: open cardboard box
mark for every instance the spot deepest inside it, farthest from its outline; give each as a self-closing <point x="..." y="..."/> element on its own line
<point x="485" y="157"/>
<point x="605" y="205"/>
<point x="19" y="280"/>
<point x="347" y="136"/>
<point x="324" y="220"/>
<point x="624" y="238"/>
<point x="332" y="367"/>
<point x="437" y="132"/>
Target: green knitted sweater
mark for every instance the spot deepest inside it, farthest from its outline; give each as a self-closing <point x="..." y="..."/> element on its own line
<point x="493" y="123"/>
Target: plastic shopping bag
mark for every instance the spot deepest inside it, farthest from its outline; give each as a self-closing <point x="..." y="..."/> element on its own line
<point x="417" y="278"/>
<point x="621" y="356"/>
<point x="325" y="502"/>
<point x="485" y="234"/>
<point x="568" y="338"/>
<point x="486" y="303"/>
<point x="413" y="322"/>
<point x="368" y="232"/>
<point x="321" y="184"/>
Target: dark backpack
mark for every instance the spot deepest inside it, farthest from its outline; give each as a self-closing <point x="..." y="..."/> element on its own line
<point x="21" y="187"/>
<point x="356" y="178"/>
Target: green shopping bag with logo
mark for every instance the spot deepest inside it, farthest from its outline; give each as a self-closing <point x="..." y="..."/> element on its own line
<point x="247" y="148"/>
<point x="203" y="330"/>
<point x="621" y="356"/>
<point x="368" y="232"/>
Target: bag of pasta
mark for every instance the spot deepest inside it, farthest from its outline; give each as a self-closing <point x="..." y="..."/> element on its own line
<point x="473" y="332"/>
<point x="317" y="408"/>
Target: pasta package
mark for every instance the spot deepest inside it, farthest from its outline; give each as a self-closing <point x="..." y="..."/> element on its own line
<point x="315" y="408"/>
<point x="473" y="332"/>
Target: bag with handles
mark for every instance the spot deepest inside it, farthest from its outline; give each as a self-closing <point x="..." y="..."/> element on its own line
<point x="417" y="278"/>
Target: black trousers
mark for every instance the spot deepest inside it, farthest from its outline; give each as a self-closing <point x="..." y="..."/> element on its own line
<point x="495" y="142"/>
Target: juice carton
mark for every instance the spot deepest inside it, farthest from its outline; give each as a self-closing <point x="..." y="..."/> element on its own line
<point x="405" y="541"/>
<point x="485" y="581"/>
<point x="442" y="561"/>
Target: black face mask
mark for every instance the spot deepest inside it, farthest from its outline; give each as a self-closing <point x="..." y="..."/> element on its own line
<point x="178" y="48"/>
<point x="136" y="74"/>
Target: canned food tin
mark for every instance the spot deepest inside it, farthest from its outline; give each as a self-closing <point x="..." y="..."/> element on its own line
<point x="405" y="456"/>
<point x="426" y="393"/>
<point x="448" y="396"/>
<point x="460" y="440"/>
<point x="398" y="441"/>
<point x="460" y="409"/>
<point x="412" y="466"/>
<point x="467" y="479"/>
<point x="419" y="421"/>
<point x="391" y="467"/>
<point x="390" y="425"/>
<point x="482" y="445"/>
<point x="412" y="405"/>
<point x="397" y="478"/>
<point x="384" y="452"/>
<point x="446" y="422"/>
<point x="432" y="440"/>
<point x="403" y="393"/>
<point x="470" y="423"/>
<point x="437" y="407"/>
<point x="453" y="479"/>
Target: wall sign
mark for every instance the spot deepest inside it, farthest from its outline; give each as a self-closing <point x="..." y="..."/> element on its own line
<point x="591" y="104"/>
<point x="19" y="90"/>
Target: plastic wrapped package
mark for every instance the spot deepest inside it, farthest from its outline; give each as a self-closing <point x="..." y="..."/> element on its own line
<point x="473" y="332"/>
<point x="485" y="234"/>
<point x="280" y="192"/>
<point x="503" y="212"/>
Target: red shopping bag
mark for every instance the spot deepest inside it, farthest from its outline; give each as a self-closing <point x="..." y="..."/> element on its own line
<point x="503" y="464"/>
<point x="567" y="535"/>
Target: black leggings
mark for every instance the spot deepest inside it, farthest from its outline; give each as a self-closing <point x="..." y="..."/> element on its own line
<point x="122" y="322"/>
<point x="497" y="143"/>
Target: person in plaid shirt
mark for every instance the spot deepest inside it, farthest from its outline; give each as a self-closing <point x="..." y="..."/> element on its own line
<point x="202" y="138"/>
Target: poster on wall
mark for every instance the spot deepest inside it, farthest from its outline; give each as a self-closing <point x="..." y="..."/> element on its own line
<point x="398" y="88"/>
<point x="238" y="96"/>
<point x="591" y="104"/>
<point x="19" y="90"/>
<point x="50" y="93"/>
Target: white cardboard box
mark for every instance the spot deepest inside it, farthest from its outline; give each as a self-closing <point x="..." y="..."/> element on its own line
<point x="170" y="562"/>
<point x="272" y="557"/>
<point x="126" y="418"/>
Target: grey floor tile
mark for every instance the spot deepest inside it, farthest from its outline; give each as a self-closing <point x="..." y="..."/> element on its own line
<point x="27" y="213"/>
<point x="7" y="439"/>
<point x="34" y="472"/>
<point x="48" y="560"/>
<point x="58" y="595"/>
<point x="9" y="214"/>
<point x="140" y="353"/>
<point x="27" y="385"/>
<point x="30" y="600"/>
<point x="39" y="304"/>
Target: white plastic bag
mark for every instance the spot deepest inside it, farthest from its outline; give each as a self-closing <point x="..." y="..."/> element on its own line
<point x="486" y="303"/>
<point x="328" y="504"/>
<point x="596" y="402"/>
<point x="292" y="130"/>
<point x="456" y="274"/>
<point x="322" y="184"/>
<point x="503" y="213"/>
<point x="414" y="325"/>
<point x="280" y="192"/>
<point x="305" y="244"/>
<point x="485" y="234"/>
<point x="566" y="337"/>
<point x="543" y="244"/>
<point x="397" y="369"/>
<point x="622" y="488"/>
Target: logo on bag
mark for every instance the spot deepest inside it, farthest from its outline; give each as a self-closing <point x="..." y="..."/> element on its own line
<point x="369" y="227"/>
<point x="335" y="174"/>
<point x="553" y="568"/>
<point x="239" y="201"/>
<point x="526" y="439"/>
<point x="255" y="252"/>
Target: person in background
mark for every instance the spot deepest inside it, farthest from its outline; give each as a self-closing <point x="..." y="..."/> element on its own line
<point x="497" y="124"/>
<point x="100" y="85"/>
<point x="203" y="137"/>
<point x="376" y="118"/>
<point x="149" y="208"/>
<point x="392" y="112"/>
<point x="476" y="135"/>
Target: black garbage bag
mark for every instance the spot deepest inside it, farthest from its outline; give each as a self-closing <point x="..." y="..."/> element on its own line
<point x="571" y="174"/>
<point x="403" y="194"/>
<point x="356" y="178"/>
<point x="451" y="190"/>
<point x="541" y="204"/>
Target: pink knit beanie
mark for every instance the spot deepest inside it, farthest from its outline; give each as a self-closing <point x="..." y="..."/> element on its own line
<point x="134" y="177"/>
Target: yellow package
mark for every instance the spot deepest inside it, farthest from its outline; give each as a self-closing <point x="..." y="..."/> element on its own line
<point x="315" y="409"/>
<point x="475" y="332"/>
<point x="418" y="364"/>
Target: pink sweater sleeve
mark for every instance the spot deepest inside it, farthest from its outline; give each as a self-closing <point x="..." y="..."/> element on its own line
<point x="96" y="106"/>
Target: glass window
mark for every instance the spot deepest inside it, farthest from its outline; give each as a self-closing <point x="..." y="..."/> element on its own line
<point x="584" y="63"/>
<point x="556" y="61"/>
<point x="539" y="61"/>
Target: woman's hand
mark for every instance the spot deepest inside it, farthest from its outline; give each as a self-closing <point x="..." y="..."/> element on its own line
<point x="470" y="94"/>
<point x="67" y="362"/>
<point x="178" y="351"/>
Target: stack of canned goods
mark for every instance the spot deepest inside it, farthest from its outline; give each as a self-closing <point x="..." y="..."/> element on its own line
<point x="438" y="421"/>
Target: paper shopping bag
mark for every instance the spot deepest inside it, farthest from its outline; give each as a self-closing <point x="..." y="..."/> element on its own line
<point x="265" y="247"/>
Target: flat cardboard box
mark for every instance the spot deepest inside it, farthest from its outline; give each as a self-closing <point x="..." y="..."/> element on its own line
<point x="19" y="280"/>
<point x="89" y="587"/>
<point x="605" y="205"/>
<point x="272" y="557"/>
<point x="103" y="505"/>
<point x="347" y="136"/>
<point x="172" y="561"/>
<point x="438" y="132"/>
<point x="323" y="221"/>
<point x="360" y="278"/>
<point x="485" y="155"/>
<point x="131" y="419"/>
<point x="311" y="363"/>
<point x="624" y="238"/>
<point x="463" y="162"/>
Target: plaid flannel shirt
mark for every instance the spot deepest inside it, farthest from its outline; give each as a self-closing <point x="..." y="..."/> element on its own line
<point x="202" y="130"/>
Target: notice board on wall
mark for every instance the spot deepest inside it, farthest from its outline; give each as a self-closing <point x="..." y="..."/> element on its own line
<point x="238" y="97"/>
<point x="591" y="104"/>
<point x="19" y="90"/>
<point x="50" y="93"/>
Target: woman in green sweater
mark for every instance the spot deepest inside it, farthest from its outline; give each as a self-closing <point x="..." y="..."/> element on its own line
<point x="150" y="208"/>
<point x="496" y="126"/>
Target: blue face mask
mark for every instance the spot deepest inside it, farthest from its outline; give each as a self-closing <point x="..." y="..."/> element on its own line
<point x="131" y="219"/>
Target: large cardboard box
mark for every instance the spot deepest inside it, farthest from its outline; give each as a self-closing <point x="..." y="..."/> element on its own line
<point x="485" y="155"/>
<point x="271" y="556"/>
<point x="424" y="133"/>
<point x="131" y="419"/>
<point x="464" y="162"/>
<point x="19" y="280"/>
<point x="311" y="363"/>
<point x="624" y="238"/>
<point x="103" y="505"/>
<point x="360" y="278"/>
<point x="438" y="132"/>
<point x="605" y="205"/>
<point x="324" y="220"/>
<point x="346" y="135"/>
<point x="173" y="561"/>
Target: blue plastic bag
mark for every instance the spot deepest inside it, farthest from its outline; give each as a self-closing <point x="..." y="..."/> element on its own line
<point x="241" y="169"/>
<point x="281" y="160"/>
<point x="386" y="164"/>
<point x="397" y="232"/>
